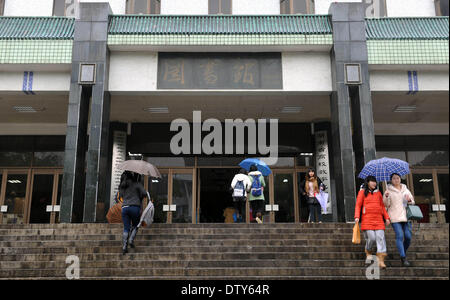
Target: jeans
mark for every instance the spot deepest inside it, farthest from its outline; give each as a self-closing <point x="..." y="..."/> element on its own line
<point x="375" y="237"/>
<point x="130" y="216"/>
<point x="313" y="209"/>
<point x="403" y="236"/>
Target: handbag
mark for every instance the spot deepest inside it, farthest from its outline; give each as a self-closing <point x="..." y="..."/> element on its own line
<point x="413" y="212"/>
<point x="356" y="238"/>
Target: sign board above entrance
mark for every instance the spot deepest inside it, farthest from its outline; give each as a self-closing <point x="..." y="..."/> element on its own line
<point x="219" y="71"/>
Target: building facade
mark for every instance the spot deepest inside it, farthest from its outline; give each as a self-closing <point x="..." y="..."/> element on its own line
<point x="317" y="84"/>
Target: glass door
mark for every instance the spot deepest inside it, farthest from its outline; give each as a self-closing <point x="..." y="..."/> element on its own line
<point x="13" y="196"/>
<point x="57" y="201"/>
<point x="41" y="198"/>
<point x="44" y="204"/>
<point x="159" y="193"/>
<point x="283" y="191"/>
<point x="443" y="182"/>
<point x="303" y="211"/>
<point x="181" y="194"/>
<point x="424" y="195"/>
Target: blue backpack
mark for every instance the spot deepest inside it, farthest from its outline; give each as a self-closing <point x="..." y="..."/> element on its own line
<point x="256" y="186"/>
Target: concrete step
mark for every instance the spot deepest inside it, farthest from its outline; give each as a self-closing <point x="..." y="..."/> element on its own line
<point x="213" y="251"/>
<point x="236" y="236"/>
<point x="249" y="255"/>
<point x="205" y="225"/>
<point x="232" y="278"/>
<point x="78" y="247"/>
<point x="205" y="231"/>
<point x="113" y="240"/>
<point x="125" y="263"/>
<point x="266" y="271"/>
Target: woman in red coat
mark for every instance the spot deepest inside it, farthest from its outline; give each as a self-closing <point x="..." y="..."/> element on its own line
<point x="371" y="211"/>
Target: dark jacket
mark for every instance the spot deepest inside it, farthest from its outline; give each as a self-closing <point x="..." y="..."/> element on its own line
<point x="132" y="194"/>
<point x="303" y="190"/>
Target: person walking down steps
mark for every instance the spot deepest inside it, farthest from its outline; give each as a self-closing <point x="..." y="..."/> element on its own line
<point x="132" y="192"/>
<point x="396" y="198"/>
<point x="370" y="210"/>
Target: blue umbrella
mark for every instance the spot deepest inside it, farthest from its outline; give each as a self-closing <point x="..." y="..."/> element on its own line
<point x="383" y="168"/>
<point x="262" y="166"/>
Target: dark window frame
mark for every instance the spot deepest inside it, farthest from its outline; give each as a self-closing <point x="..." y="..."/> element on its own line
<point x="130" y="4"/>
<point x="2" y="7"/>
<point x="221" y="4"/>
<point x="438" y="7"/>
<point x="309" y="4"/>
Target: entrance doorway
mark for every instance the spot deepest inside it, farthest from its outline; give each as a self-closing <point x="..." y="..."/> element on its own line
<point x="215" y="195"/>
<point x="30" y="195"/>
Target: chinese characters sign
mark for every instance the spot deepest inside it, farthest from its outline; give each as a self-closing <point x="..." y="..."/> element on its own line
<point x="219" y="71"/>
<point x="322" y="163"/>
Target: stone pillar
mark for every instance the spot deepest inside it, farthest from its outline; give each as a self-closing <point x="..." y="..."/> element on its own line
<point x="351" y="106"/>
<point x="89" y="46"/>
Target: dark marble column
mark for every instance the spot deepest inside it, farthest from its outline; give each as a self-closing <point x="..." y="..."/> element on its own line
<point x="89" y="46"/>
<point x="351" y="106"/>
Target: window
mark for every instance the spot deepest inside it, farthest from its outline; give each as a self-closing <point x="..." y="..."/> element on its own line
<point x="428" y="158"/>
<point x="441" y="7"/>
<point x="217" y="7"/>
<point x="144" y="7"/>
<point x="64" y="8"/>
<point x="297" y="6"/>
<point x="2" y="5"/>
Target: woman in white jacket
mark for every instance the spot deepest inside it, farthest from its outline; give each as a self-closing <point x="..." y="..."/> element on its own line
<point x="238" y="200"/>
<point x="396" y="198"/>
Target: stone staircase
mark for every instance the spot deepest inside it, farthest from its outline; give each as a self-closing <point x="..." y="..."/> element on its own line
<point x="213" y="251"/>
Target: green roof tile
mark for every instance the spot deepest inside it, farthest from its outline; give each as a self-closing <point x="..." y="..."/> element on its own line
<point x="431" y="28"/>
<point x="219" y="24"/>
<point x="411" y="28"/>
<point x="36" y="28"/>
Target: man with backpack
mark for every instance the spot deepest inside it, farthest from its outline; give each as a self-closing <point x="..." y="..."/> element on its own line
<point x="240" y="186"/>
<point x="256" y="195"/>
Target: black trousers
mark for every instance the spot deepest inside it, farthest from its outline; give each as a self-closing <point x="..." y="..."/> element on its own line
<point x="313" y="209"/>
<point x="257" y="207"/>
<point x="239" y="205"/>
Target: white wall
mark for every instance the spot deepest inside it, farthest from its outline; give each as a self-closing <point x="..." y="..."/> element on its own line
<point x="252" y="7"/>
<point x="133" y="71"/>
<point x="28" y="8"/>
<point x="397" y="81"/>
<point x="184" y="7"/>
<point x="42" y="81"/>
<point x="118" y="7"/>
<point x="322" y="6"/>
<point x="304" y="71"/>
<point x="410" y="8"/>
<point x="395" y="8"/>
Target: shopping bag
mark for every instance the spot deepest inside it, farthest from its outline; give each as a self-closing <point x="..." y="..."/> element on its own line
<point x="114" y="215"/>
<point x="356" y="239"/>
<point x="413" y="212"/>
<point x="322" y="197"/>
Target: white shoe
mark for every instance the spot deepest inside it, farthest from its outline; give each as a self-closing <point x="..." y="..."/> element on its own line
<point x="258" y="220"/>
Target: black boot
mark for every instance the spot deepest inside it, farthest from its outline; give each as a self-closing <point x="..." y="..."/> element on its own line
<point x="124" y="243"/>
<point x="405" y="262"/>
<point x="133" y="236"/>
